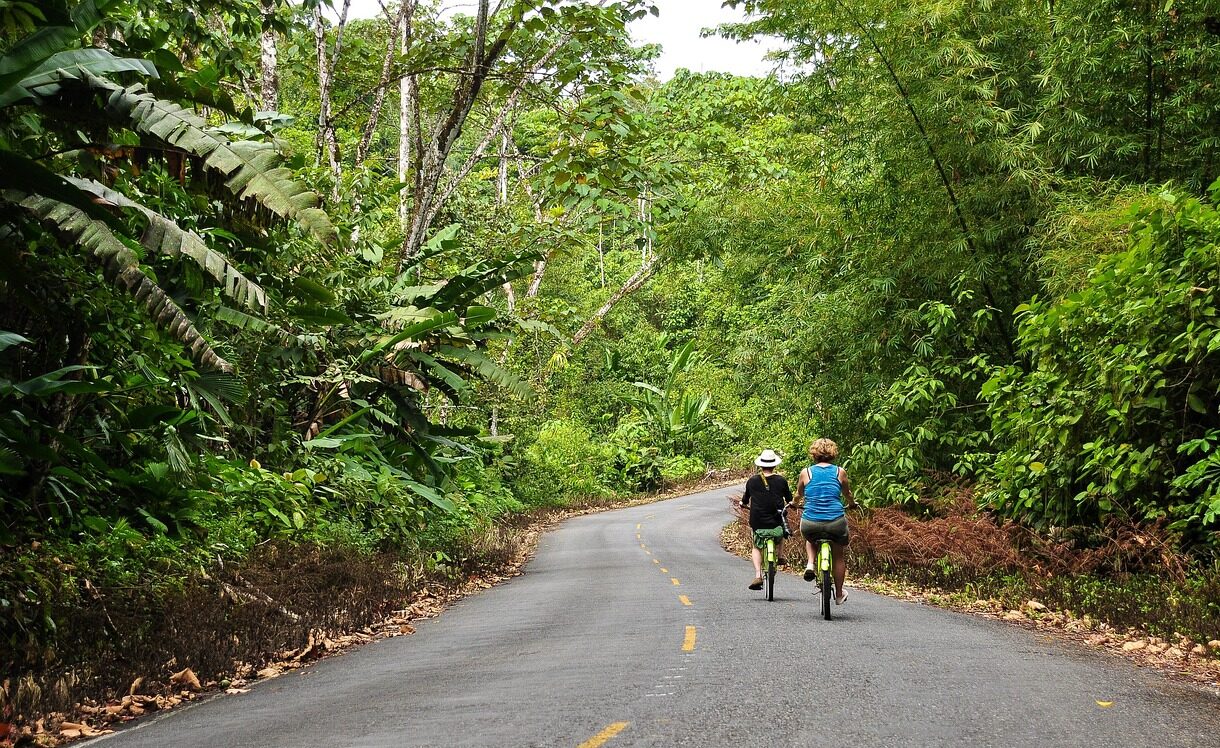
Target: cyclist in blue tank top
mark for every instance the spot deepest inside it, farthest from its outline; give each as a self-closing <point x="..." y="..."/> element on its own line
<point x="822" y="487"/>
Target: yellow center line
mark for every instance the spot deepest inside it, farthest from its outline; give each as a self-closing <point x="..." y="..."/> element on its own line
<point x="643" y="546"/>
<point x="648" y="552"/>
<point x="664" y="570"/>
<point x="656" y="560"/>
<point x="600" y="738"/>
<point x="638" y="525"/>
<point x="676" y="582"/>
<point x="685" y="600"/>
<point x="638" y="536"/>
<point x="688" y="644"/>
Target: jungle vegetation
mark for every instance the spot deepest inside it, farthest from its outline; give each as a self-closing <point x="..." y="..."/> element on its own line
<point x="274" y="274"/>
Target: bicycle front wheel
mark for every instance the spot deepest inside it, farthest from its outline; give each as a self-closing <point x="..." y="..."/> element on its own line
<point x="827" y="586"/>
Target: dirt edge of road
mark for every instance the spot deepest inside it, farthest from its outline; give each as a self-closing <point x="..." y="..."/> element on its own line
<point x="95" y="720"/>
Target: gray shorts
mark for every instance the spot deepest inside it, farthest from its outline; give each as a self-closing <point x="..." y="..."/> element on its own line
<point x="836" y="530"/>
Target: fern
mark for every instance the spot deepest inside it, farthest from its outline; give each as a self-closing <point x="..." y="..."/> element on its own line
<point x="168" y="238"/>
<point x="48" y="78"/>
<point x="123" y="269"/>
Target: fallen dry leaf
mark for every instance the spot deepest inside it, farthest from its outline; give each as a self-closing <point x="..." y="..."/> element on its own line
<point x="76" y="730"/>
<point x="186" y="678"/>
<point x="1105" y="704"/>
<point x="135" y="686"/>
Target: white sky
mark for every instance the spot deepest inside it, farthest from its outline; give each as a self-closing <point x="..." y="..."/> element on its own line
<point x="676" y="30"/>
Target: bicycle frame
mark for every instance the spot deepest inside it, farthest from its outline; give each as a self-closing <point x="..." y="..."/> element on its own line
<point x="825" y="562"/>
<point x="769" y="567"/>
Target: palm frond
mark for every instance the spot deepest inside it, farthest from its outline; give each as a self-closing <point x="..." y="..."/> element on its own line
<point x="486" y="368"/>
<point x="28" y="53"/>
<point x="25" y="176"/>
<point x="168" y="238"/>
<point x="397" y="376"/>
<point x="243" y="321"/>
<point x="252" y="169"/>
<point x="476" y="280"/>
<point x="48" y="78"/>
<point x="122" y="268"/>
<point x="437" y="375"/>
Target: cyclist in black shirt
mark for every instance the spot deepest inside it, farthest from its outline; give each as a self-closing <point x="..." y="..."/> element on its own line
<point x="766" y="495"/>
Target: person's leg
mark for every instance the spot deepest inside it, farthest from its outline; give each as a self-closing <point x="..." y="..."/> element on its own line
<point x="806" y="531"/>
<point x="838" y="556"/>
<point x="756" y="557"/>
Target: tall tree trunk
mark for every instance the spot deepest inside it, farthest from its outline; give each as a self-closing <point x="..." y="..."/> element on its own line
<point x="433" y="152"/>
<point x="406" y="86"/>
<point x="328" y="141"/>
<point x="269" y="64"/>
<point x="502" y="176"/>
<point x="404" y="15"/>
<point x="633" y="284"/>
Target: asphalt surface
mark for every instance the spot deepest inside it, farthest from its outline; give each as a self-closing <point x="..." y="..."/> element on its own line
<point x="595" y="643"/>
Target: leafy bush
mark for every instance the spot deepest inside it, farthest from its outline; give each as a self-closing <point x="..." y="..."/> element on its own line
<point x="928" y="420"/>
<point x="1114" y="412"/>
<point x="564" y="462"/>
<point x="681" y="467"/>
<point x="636" y="465"/>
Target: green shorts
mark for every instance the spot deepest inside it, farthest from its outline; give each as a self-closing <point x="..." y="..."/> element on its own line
<point x="760" y="536"/>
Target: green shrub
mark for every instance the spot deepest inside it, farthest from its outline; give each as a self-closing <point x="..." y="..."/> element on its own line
<point x="1114" y="413"/>
<point x="682" y="467"/>
<point x="636" y="465"/>
<point x="563" y="463"/>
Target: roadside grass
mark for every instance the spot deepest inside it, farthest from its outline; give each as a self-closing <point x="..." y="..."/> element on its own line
<point x="116" y="646"/>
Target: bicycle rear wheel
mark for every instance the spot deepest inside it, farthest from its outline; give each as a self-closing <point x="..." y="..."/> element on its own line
<point x="769" y="581"/>
<point x="827" y="585"/>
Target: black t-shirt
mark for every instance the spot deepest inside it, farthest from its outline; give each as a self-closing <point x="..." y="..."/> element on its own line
<point x="766" y="500"/>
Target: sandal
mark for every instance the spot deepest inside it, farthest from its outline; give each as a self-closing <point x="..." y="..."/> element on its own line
<point x="843" y="600"/>
<point x="810" y="573"/>
<point x="756" y="584"/>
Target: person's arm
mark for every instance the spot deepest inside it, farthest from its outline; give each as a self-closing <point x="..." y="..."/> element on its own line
<point x="745" y="497"/>
<point x="787" y="494"/>
<point x="846" y="486"/>
<point x="800" y="486"/>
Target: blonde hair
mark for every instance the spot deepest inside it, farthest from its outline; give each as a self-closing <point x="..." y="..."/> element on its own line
<point x="823" y="450"/>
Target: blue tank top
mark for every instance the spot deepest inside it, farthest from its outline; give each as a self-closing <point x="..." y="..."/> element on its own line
<point x="822" y="494"/>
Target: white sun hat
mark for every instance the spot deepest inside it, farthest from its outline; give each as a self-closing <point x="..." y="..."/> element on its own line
<point x="768" y="458"/>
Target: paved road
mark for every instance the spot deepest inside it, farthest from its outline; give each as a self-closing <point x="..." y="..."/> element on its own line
<point x="635" y="628"/>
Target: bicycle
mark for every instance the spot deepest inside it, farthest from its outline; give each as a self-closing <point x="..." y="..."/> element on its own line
<point x="770" y="561"/>
<point x="770" y="557"/>
<point x="824" y="567"/>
